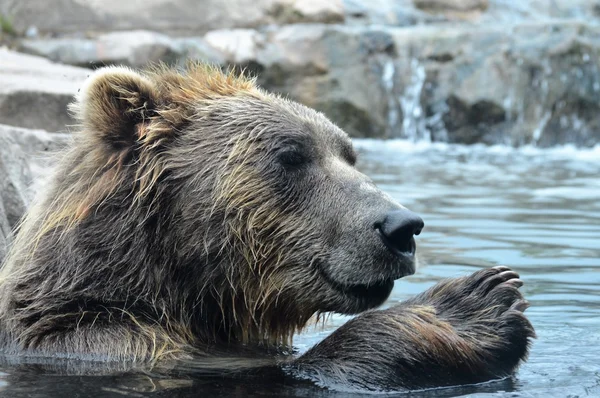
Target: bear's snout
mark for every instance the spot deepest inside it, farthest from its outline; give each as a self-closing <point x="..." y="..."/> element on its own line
<point x="396" y="231"/>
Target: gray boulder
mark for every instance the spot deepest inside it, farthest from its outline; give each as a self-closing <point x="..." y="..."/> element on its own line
<point x="535" y="83"/>
<point x="184" y="17"/>
<point x="451" y="5"/>
<point x="483" y="13"/>
<point x="5" y="233"/>
<point x="15" y="177"/>
<point x="137" y="49"/>
<point x="134" y="48"/>
<point x="34" y="92"/>
<point x="25" y="161"/>
<point x="39" y="147"/>
<point x="331" y="68"/>
<point x="192" y="17"/>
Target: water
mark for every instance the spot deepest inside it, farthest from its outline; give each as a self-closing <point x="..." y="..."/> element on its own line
<point x="535" y="210"/>
<point x="413" y="122"/>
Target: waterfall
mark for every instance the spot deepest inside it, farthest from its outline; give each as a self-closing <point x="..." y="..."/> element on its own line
<point x="406" y="117"/>
<point x="539" y="129"/>
<point x="414" y="124"/>
<point x="387" y="80"/>
<point x="543" y="111"/>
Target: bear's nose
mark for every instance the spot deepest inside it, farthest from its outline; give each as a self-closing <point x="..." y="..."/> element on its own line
<point x="397" y="230"/>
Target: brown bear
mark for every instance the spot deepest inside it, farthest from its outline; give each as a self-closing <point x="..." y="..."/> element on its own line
<point x="198" y="215"/>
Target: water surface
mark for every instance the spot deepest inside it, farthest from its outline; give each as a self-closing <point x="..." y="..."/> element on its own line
<point x="537" y="211"/>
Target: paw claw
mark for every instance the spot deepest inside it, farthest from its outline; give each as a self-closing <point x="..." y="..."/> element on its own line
<point x="520" y="305"/>
<point x="507" y="275"/>
<point x="493" y="281"/>
<point x="516" y="283"/>
<point x="493" y="291"/>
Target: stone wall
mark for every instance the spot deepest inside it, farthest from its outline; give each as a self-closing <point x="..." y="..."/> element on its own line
<point x="490" y="71"/>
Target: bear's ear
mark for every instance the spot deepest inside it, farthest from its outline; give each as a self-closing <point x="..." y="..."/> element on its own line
<point x="113" y="104"/>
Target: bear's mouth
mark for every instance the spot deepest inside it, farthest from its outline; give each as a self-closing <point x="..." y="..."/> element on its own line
<point x="371" y="294"/>
<point x="377" y="291"/>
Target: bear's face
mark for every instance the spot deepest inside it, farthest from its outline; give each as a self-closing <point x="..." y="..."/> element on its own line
<point x="267" y="210"/>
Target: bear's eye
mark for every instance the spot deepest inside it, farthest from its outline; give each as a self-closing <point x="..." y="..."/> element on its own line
<point x="349" y="154"/>
<point x="292" y="158"/>
<point x="351" y="157"/>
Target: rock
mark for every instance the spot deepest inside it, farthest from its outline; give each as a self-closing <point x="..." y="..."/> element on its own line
<point x="15" y="178"/>
<point x="321" y="11"/>
<point x="34" y="92"/>
<point x="330" y="68"/>
<point x="39" y="146"/>
<point x="133" y="48"/>
<point x="5" y="233"/>
<point x="197" y="48"/>
<point x="481" y="12"/>
<point x="237" y="46"/>
<point x="25" y="162"/>
<point x="194" y="18"/>
<point x="533" y="84"/>
<point x="454" y="9"/>
<point x="183" y="17"/>
<point x="451" y="5"/>
<point x="443" y="83"/>
<point x="387" y="12"/>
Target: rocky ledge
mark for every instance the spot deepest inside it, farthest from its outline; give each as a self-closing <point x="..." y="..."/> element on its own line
<point x="25" y="159"/>
<point x="477" y="71"/>
<point x="535" y="83"/>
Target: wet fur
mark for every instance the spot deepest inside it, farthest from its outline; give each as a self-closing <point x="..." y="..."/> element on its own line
<point x="462" y="331"/>
<point x="167" y="233"/>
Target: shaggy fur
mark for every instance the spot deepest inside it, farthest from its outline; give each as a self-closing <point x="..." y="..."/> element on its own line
<point x="461" y="331"/>
<point x="196" y="214"/>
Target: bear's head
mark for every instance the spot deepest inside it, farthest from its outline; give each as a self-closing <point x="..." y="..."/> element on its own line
<point x="222" y="205"/>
